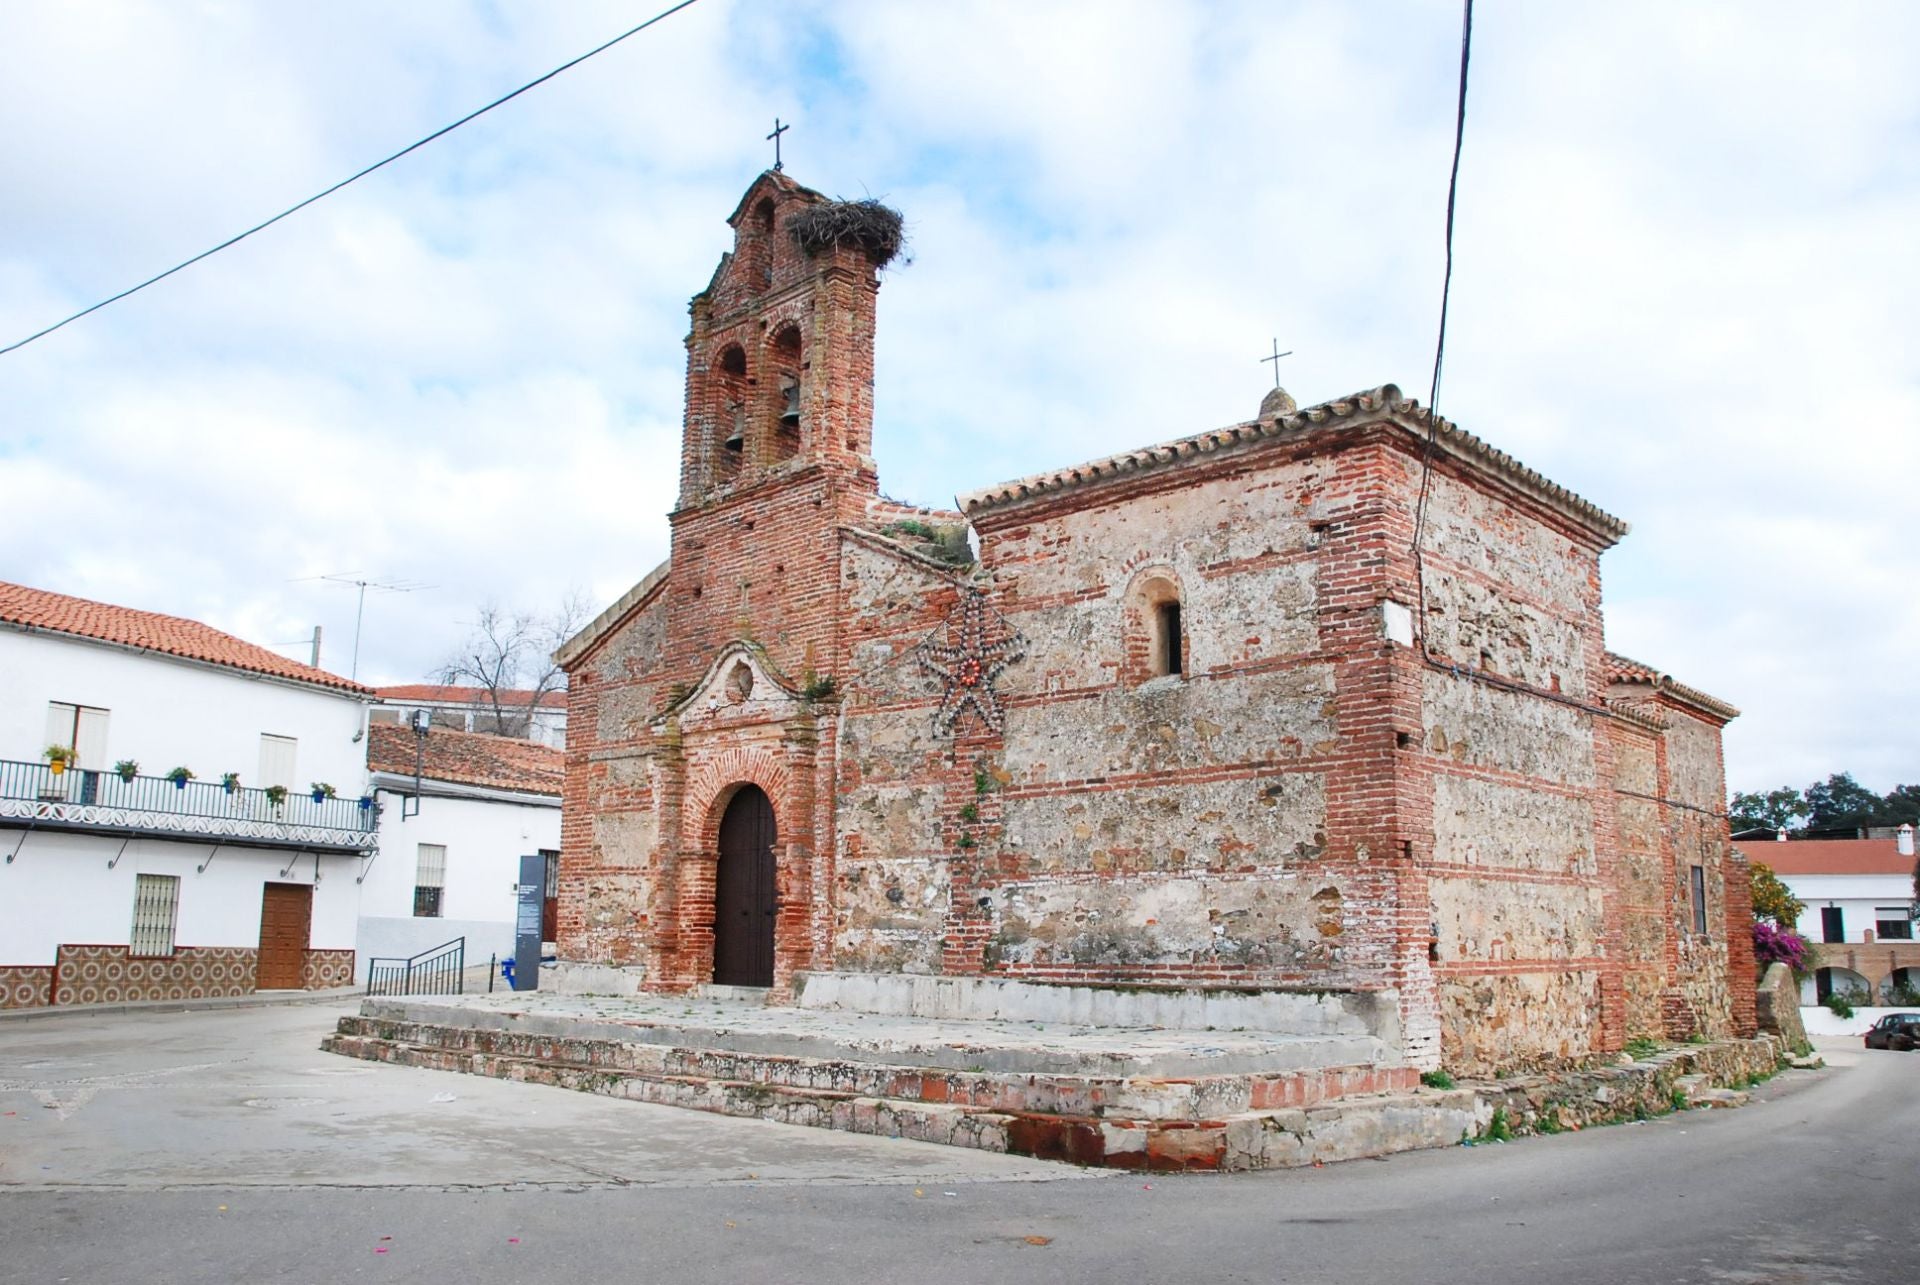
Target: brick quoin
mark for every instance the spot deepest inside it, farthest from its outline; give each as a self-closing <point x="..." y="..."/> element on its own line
<point x="1482" y="813"/>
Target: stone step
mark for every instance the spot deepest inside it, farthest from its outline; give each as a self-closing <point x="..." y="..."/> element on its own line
<point x="816" y="1108"/>
<point x="1361" y="1126"/>
<point x="1092" y="1095"/>
<point x="1002" y="1046"/>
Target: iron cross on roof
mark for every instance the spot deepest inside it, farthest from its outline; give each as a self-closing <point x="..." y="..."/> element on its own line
<point x="778" y="130"/>
<point x="1275" y="359"/>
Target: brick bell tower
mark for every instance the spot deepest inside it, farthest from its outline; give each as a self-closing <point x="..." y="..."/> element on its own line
<point x="777" y="448"/>
<point x="776" y="458"/>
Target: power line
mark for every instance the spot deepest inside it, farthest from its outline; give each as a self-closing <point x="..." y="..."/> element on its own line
<point x="1440" y="345"/>
<point x="352" y="178"/>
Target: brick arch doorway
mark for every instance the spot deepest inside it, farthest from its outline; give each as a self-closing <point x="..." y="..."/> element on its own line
<point x="744" y="895"/>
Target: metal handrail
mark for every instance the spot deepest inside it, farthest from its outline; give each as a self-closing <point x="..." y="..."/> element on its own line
<point x="39" y="783"/>
<point x="439" y="971"/>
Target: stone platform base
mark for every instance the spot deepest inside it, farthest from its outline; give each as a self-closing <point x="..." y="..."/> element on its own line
<point x="1127" y="1098"/>
<point x="1132" y="1098"/>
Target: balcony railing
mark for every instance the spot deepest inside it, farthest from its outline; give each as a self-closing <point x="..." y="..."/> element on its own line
<point x="158" y="805"/>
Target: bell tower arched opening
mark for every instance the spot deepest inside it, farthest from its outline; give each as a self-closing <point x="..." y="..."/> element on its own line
<point x="786" y="362"/>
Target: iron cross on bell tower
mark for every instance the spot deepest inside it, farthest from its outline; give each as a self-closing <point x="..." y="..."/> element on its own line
<point x="778" y="130"/>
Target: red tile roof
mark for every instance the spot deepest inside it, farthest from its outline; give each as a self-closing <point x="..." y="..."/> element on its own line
<point x="436" y="692"/>
<point x="468" y="758"/>
<point x="38" y="609"/>
<point x="1830" y="857"/>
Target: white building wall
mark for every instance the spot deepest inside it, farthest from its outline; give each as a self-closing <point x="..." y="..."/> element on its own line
<point x="1857" y="896"/>
<point x="484" y="840"/>
<point x="60" y="891"/>
<point x="166" y="712"/>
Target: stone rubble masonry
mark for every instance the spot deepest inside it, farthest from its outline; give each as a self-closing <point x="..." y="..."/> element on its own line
<point x="1495" y="827"/>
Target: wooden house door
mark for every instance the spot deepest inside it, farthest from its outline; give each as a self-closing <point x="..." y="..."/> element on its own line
<point x="286" y="920"/>
<point x="744" y="900"/>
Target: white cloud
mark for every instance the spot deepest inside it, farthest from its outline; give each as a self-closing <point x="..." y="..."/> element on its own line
<point x="1684" y="262"/>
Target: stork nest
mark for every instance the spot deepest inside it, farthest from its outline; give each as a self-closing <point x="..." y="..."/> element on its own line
<point x="874" y="229"/>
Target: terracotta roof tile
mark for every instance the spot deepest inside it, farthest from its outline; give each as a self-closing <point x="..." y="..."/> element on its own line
<point x="1830" y="857"/>
<point x="39" y="609"/>
<point x="468" y="758"/>
<point x="1383" y="404"/>
<point x="443" y="694"/>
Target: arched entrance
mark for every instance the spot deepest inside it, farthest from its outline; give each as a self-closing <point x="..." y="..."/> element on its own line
<point x="744" y="894"/>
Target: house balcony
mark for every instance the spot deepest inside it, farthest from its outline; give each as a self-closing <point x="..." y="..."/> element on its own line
<point x="33" y="796"/>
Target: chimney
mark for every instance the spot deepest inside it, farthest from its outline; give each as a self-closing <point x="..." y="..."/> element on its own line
<point x="1903" y="840"/>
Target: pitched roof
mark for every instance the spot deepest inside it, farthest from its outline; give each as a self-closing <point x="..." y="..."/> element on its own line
<point x="441" y="693"/>
<point x="1830" y="857"/>
<point x="41" y="610"/>
<point x="1385" y="404"/>
<point x="1620" y="669"/>
<point x="468" y="758"/>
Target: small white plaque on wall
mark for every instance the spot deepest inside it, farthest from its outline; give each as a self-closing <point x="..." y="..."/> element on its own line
<point x="1396" y="623"/>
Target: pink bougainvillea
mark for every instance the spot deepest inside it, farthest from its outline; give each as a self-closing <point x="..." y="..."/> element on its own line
<point x="1774" y="945"/>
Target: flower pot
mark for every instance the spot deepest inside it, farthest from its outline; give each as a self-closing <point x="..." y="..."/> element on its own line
<point x="366" y="802"/>
<point x="58" y="767"/>
<point x="319" y="796"/>
<point x="180" y="783"/>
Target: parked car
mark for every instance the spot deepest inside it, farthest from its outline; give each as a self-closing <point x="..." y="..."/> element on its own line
<point x="1899" y="1031"/>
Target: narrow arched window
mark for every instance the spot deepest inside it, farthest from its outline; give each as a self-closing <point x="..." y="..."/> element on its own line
<point x="1156" y="628"/>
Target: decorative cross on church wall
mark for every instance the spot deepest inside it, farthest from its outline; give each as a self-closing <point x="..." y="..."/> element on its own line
<point x="1275" y="359"/>
<point x="778" y="130"/>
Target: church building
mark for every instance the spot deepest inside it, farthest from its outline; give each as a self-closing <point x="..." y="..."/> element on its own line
<point x="1317" y="702"/>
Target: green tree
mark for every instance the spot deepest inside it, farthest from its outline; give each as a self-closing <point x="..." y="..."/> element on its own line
<point x="1772" y="900"/>
<point x="1780" y="809"/>
<point x="1840" y="802"/>
<point x="1902" y="805"/>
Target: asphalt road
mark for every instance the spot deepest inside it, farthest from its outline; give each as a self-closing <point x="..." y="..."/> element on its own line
<point x="221" y="1147"/>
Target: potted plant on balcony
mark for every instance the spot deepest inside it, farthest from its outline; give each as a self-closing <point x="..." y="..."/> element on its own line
<point x="322" y="791"/>
<point x="180" y="776"/>
<point x="127" y="769"/>
<point x="59" y="758"/>
<point x="230" y="782"/>
<point x="276" y="794"/>
<point x="366" y="802"/>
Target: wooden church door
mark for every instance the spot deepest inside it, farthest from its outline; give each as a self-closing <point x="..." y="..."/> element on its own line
<point x="744" y="892"/>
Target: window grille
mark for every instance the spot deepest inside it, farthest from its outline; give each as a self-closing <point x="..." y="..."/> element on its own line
<point x="429" y="880"/>
<point x="156" y="904"/>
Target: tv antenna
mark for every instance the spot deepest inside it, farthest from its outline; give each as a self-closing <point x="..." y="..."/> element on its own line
<point x="387" y="584"/>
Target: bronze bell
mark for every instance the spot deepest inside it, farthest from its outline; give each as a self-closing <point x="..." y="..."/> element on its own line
<point x="790" y="411"/>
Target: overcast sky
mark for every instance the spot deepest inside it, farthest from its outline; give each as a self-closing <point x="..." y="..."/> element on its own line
<point x="1686" y="273"/>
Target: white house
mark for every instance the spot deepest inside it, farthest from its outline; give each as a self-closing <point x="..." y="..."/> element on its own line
<point x="457" y="812"/>
<point x="538" y="717"/>
<point x="181" y="851"/>
<point x="1858" y="895"/>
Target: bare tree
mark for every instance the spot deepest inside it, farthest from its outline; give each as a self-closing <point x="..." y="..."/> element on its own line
<point x="509" y="656"/>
